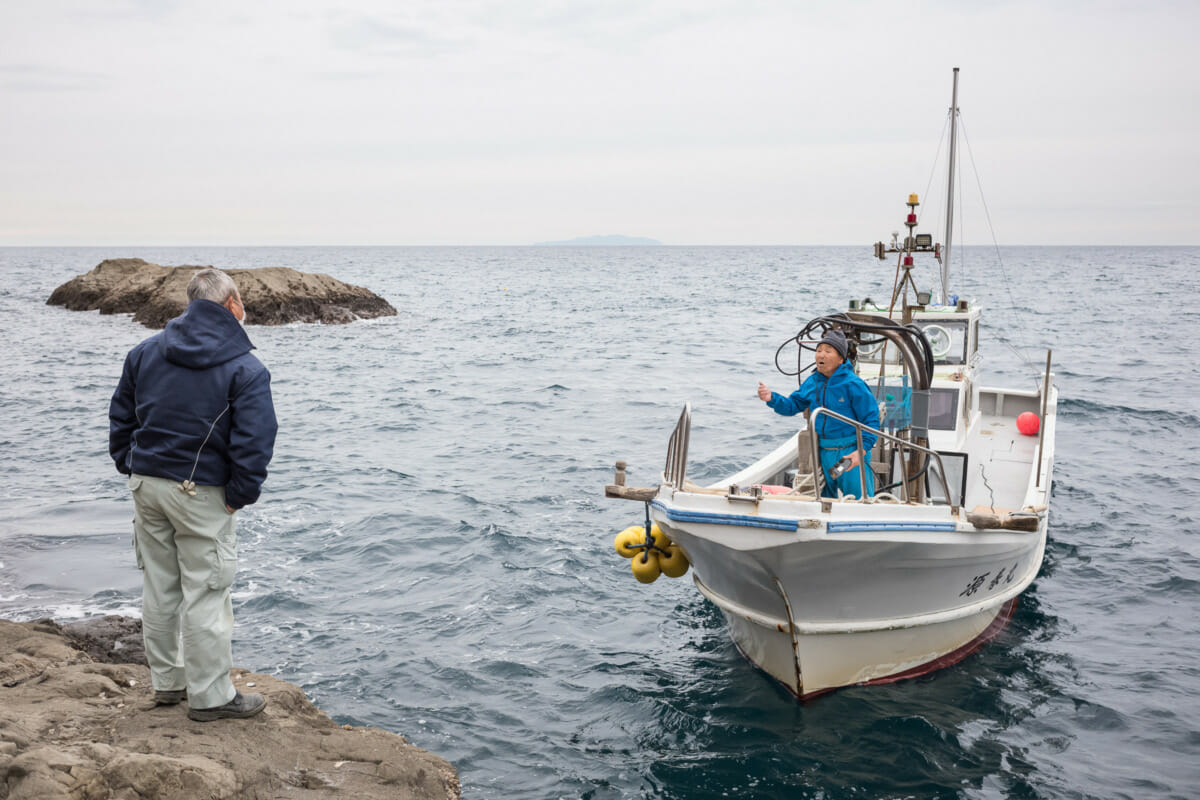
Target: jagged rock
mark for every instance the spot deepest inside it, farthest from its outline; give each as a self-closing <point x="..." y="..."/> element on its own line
<point x="336" y="315"/>
<point x="273" y="295"/>
<point x="109" y="640"/>
<point x="72" y="727"/>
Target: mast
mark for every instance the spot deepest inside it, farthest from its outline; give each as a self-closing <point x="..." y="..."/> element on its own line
<point x="950" y="191"/>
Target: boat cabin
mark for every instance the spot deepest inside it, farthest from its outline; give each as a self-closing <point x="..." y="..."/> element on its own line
<point x="966" y="424"/>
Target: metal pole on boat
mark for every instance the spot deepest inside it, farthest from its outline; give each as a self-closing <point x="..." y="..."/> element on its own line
<point x="817" y="472"/>
<point x="1042" y="425"/>
<point x="950" y="191"/>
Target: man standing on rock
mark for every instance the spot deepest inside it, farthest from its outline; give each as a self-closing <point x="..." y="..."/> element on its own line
<point x="193" y="426"/>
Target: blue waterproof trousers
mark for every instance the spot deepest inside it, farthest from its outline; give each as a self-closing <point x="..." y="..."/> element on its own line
<point x="849" y="482"/>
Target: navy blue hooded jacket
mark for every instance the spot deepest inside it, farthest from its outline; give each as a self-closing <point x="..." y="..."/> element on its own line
<point x="194" y="404"/>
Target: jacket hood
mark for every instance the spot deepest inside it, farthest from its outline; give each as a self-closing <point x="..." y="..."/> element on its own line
<point x="204" y="335"/>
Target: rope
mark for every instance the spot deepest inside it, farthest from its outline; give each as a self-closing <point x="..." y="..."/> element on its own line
<point x="988" y="486"/>
<point x="933" y="169"/>
<point x="936" y="156"/>
<point x="999" y="260"/>
<point x="962" y="232"/>
<point x="897" y="283"/>
<point x="648" y="544"/>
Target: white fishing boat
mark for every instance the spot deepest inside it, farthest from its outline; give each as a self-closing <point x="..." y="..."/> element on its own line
<point x="823" y="592"/>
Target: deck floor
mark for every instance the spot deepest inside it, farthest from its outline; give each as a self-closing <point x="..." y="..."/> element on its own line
<point x="1006" y="457"/>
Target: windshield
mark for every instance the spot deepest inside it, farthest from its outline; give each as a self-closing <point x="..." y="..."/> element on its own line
<point x="947" y="339"/>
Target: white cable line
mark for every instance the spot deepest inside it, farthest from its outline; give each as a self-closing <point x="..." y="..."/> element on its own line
<point x="933" y="169"/>
<point x="196" y="463"/>
<point x="999" y="260"/>
<point x="936" y="156"/>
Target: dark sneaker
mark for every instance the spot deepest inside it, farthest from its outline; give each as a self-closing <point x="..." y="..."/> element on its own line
<point x="240" y="707"/>
<point x="169" y="697"/>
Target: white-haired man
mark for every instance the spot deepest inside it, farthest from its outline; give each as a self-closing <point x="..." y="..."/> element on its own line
<point x="193" y="426"/>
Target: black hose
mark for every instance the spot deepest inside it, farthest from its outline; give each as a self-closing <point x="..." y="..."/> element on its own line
<point x="924" y="468"/>
<point x="916" y="343"/>
<point x="910" y="339"/>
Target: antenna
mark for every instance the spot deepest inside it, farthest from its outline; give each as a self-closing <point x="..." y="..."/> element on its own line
<point x="950" y="190"/>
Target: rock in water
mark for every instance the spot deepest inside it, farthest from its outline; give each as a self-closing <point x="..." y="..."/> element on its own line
<point x="75" y="728"/>
<point x="273" y="295"/>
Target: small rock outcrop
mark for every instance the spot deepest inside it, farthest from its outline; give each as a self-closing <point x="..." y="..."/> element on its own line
<point x="78" y="727"/>
<point x="272" y="295"/>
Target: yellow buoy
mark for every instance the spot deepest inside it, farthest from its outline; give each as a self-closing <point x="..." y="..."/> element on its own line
<point x="674" y="564"/>
<point x="628" y="539"/>
<point x="645" y="567"/>
<point x="661" y="540"/>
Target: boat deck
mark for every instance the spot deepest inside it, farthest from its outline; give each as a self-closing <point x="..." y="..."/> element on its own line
<point x="999" y="464"/>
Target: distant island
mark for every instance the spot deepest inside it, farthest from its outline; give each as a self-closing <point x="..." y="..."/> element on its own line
<point x="600" y="241"/>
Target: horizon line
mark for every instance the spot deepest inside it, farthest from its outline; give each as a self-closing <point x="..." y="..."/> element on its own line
<point x="546" y="246"/>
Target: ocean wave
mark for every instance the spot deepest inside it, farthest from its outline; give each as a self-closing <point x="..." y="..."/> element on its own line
<point x="432" y="551"/>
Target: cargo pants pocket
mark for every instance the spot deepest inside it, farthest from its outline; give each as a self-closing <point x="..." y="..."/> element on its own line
<point x="135" y="483"/>
<point x="224" y="557"/>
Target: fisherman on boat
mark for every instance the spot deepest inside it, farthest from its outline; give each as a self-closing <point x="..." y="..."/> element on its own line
<point x="835" y="386"/>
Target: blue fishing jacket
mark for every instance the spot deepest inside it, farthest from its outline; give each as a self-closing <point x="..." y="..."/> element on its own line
<point x="843" y="392"/>
<point x="194" y="404"/>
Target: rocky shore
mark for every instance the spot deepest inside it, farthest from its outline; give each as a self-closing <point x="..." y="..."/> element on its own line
<point x="156" y="294"/>
<point x="77" y="721"/>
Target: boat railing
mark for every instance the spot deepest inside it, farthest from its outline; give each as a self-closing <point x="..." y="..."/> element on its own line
<point x="1045" y="391"/>
<point x="675" y="471"/>
<point x="903" y="446"/>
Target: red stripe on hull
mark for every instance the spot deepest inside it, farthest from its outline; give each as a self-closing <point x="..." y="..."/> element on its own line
<point x="953" y="657"/>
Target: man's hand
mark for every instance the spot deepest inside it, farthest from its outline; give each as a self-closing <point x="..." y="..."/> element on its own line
<point x="855" y="458"/>
<point x="764" y="393"/>
<point x="231" y="510"/>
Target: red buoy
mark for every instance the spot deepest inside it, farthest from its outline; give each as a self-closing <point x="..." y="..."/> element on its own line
<point x="1028" y="423"/>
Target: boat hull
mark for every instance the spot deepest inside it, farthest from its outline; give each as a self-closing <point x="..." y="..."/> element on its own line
<point x="815" y="664"/>
<point x="854" y="601"/>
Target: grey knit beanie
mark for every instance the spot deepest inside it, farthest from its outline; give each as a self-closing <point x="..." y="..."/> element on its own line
<point x="835" y="339"/>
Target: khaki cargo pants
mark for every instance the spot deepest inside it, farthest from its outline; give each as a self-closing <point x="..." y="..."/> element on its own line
<point x="186" y="548"/>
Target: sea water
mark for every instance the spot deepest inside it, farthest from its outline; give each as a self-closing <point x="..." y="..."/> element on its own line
<point x="432" y="553"/>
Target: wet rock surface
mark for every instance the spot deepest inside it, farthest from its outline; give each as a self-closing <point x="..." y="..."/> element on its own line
<point x="108" y="640"/>
<point x="156" y="294"/>
<point x="73" y="726"/>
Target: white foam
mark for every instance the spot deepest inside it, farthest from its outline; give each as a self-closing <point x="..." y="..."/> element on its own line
<point x="73" y="611"/>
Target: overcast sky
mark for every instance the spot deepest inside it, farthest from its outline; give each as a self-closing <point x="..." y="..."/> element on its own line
<point x="151" y="122"/>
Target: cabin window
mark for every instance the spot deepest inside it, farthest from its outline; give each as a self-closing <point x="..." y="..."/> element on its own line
<point x="947" y="338"/>
<point x="943" y="409"/>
